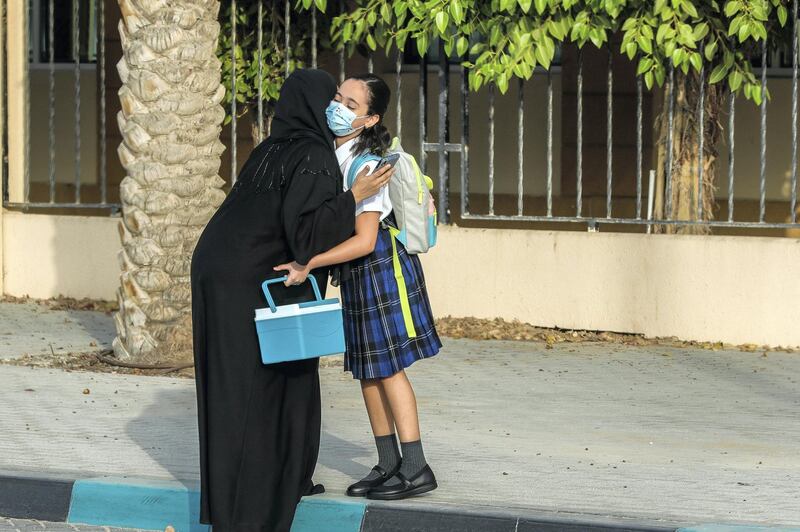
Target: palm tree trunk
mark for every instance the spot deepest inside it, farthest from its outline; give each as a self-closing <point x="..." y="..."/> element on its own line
<point x="170" y="122"/>
<point x="685" y="201"/>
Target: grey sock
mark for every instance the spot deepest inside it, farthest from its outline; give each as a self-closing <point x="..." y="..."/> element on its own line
<point x="413" y="458"/>
<point x="388" y="455"/>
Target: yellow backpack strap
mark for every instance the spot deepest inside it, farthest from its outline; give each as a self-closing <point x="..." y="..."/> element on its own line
<point x="401" y="286"/>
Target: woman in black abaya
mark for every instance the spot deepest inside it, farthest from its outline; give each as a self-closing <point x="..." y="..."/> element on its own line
<point x="259" y="424"/>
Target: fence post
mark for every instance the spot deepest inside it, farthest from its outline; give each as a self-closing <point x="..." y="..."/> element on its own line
<point x="2" y="154"/>
<point x="17" y="46"/>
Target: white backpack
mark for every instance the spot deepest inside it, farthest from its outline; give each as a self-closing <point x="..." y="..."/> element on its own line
<point x="414" y="214"/>
<point x="412" y="203"/>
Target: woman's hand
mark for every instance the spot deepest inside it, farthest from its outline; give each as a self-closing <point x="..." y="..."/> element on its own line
<point x="296" y="273"/>
<point x="366" y="186"/>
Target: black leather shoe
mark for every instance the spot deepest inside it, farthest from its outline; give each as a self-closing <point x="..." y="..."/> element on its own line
<point x="360" y="488"/>
<point x="422" y="482"/>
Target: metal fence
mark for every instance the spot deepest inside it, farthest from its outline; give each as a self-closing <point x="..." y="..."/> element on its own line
<point x="439" y="144"/>
<point x="38" y="28"/>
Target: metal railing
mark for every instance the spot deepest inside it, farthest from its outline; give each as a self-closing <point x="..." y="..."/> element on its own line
<point x="438" y="143"/>
<point x="609" y="217"/>
<point x="56" y="192"/>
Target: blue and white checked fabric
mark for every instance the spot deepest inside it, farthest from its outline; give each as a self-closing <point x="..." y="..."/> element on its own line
<point x="377" y="343"/>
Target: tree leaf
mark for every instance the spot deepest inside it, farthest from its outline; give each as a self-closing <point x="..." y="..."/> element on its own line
<point x="648" y="80"/>
<point x="645" y="44"/>
<point x="660" y="75"/>
<point x="502" y="83"/>
<point x="696" y="60"/>
<point x="442" y="20"/>
<point x="718" y="74"/>
<point x="541" y="5"/>
<point x="322" y="5"/>
<point x="644" y="65"/>
<point x="744" y="31"/>
<point x="782" y="15"/>
<point x="507" y="5"/>
<point x="457" y="11"/>
<point x="462" y="45"/>
<point x="735" y="80"/>
<point x="756" y="93"/>
<point x="422" y="44"/>
<point x="631" y="49"/>
<point x="732" y="7"/>
<point x="386" y="12"/>
<point x="400" y="8"/>
<point x="597" y="36"/>
<point x="709" y="50"/>
<point x="700" y="31"/>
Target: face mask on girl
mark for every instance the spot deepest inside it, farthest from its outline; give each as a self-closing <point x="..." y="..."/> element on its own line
<point x="340" y="119"/>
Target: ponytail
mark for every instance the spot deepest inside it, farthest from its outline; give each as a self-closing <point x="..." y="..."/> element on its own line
<point x="375" y="139"/>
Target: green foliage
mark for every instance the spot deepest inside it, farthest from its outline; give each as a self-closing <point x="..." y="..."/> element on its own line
<point x="273" y="55"/>
<point x="502" y="39"/>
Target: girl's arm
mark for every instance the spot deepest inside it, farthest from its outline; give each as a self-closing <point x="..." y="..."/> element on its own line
<point x="357" y="246"/>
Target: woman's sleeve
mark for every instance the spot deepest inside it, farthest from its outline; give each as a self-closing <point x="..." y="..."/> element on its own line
<point x="317" y="216"/>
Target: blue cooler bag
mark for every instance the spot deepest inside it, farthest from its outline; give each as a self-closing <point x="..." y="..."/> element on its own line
<point x="300" y="330"/>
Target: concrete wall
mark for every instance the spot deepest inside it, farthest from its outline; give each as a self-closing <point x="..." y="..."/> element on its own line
<point x="716" y="288"/>
<point x="46" y="256"/>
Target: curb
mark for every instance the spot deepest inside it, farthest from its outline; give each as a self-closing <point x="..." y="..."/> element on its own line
<point x="153" y="504"/>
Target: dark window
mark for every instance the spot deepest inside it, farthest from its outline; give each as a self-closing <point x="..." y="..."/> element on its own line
<point x="63" y="30"/>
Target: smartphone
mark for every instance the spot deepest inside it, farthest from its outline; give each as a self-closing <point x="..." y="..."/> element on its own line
<point x="391" y="160"/>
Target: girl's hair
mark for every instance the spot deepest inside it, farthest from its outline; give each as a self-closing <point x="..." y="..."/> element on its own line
<point x="375" y="139"/>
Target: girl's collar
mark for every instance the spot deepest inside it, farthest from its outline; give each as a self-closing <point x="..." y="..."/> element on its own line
<point x="346" y="150"/>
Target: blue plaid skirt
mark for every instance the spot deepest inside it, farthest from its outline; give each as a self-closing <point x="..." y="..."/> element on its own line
<point x="377" y="343"/>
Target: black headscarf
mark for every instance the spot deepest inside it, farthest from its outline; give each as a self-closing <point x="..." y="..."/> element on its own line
<point x="300" y="142"/>
<point x="300" y="111"/>
<point x="299" y="130"/>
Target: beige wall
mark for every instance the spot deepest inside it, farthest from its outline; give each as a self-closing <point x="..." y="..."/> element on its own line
<point x="47" y="256"/>
<point x="716" y="288"/>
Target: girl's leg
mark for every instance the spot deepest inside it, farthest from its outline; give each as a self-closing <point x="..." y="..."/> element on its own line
<point x="378" y="410"/>
<point x="403" y="405"/>
<point x="382" y="422"/>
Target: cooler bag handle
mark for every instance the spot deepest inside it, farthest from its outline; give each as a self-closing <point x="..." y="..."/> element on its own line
<point x="265" y="288"/>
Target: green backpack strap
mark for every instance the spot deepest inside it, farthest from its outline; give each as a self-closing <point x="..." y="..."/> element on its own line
<point x="405" y="305"/>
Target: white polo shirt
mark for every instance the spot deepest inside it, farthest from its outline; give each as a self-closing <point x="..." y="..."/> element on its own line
<point x="379" y="202"/>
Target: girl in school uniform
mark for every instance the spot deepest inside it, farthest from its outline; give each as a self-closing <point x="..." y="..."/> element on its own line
<point x="378" y="345"/>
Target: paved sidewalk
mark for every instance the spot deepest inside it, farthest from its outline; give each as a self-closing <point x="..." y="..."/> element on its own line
<point x="29" y="525"/>
<point x="33" y="329"/>
<point x="657" y="433"/>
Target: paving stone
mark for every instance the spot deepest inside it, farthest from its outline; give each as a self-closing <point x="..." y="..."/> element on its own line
<point x="658" y="433"/>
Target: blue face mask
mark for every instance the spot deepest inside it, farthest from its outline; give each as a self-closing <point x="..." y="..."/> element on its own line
<point x="340" y="119"/>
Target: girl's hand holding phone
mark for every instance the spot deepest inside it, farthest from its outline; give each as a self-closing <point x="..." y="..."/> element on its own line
<point x="367" y="185"/>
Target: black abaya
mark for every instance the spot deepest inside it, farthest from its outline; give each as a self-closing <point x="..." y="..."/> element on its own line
<point x="259" y="424"/>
